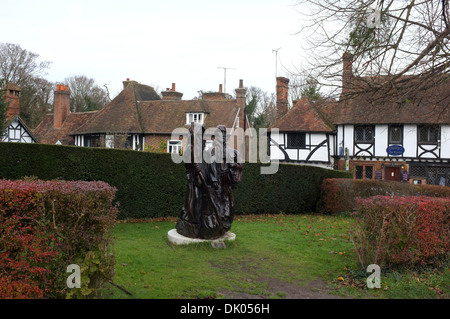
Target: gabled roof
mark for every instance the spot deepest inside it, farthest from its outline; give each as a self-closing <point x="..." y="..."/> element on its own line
<point x="308" y="116"/>
<point x="22" y="123"/>
<point x="47" y="134"/>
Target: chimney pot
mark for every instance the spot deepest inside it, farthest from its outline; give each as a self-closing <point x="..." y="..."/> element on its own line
<point x="220" y="88"/>
<point x="241" y="84"/>
<point x="173" y="87"/>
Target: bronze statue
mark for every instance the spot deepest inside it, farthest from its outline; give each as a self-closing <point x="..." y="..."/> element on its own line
<point x="209" y="204"/>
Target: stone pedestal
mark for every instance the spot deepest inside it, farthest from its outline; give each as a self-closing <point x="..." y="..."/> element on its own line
<point x="178" y="239"/>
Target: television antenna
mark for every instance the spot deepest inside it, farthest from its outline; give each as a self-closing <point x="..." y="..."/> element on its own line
<point x="276" y="60"/>
<point x="225" y="77"/>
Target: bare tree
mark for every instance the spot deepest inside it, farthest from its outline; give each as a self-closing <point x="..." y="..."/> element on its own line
<point x="407" y="42"/>
<point x="20" y="66"/>
<point x="36" y="100"/>
<point x="23" y="68"/>
<point x="3" y="109"/>
<point x="261" y="107"/>
<point x="85" y="95"/>
<point x="301" y="86"/>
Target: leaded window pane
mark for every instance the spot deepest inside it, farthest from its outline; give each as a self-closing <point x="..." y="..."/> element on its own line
<point x="395" y="134"/>
<point x="428" y="134"/>
<point x="364" y="134"/>
<point x="431" y="177"/>
<point x="296" y="140"/>
<point x="359" y="172"/>
<point x="368" y="171"/>
<point x="417" y="171"/>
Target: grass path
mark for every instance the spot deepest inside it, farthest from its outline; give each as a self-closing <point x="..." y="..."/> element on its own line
<point x="273" y="256"/>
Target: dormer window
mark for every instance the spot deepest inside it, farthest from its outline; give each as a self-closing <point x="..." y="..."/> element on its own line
<point x="195" y="117"/>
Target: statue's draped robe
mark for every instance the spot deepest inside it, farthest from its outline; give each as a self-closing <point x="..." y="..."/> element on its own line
<point x="209" y="204"/>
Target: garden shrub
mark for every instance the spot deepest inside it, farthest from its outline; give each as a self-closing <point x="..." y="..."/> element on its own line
<point x="151" y="185"/>
<point x="402" y="231"/>
<point x="45" y="227"/>
<point x="339" y="195"/>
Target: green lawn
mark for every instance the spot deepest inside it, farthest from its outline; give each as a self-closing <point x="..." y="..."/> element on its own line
<point x="273" y="256"/>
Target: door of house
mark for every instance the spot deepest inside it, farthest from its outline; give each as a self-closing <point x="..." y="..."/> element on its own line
<point x="392" y="174"/>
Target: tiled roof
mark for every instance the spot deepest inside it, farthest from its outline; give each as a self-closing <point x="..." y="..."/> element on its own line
<point x="130" y="112"/>
<point x="308" y="116"/>
<point x="121" y="115"/>
<point x="165" y="116"/>
<point x="47" y="134"/>
<point x="399" y="106"/>
<point x="428" y="106"/>
<point x="138" y="109"/>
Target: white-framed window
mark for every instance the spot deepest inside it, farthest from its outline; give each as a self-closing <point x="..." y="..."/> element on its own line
<point x="195" y="117"/>
<point x="109" y="141"/>
<point x="174" y="146"/>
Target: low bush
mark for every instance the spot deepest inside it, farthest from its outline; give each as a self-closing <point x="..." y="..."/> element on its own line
<point x="339" y="195"/>
<point x="45" y="227"/>
<point x="402" y="231"/>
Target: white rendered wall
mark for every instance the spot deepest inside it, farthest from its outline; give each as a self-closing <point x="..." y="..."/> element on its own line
<point x="348" y="139"/>
<point x="275" y="152"/>
<point x="410" y="140"/>
<point x="381" y="140"/>
<point x="445" y="141"/>
<point x="321" y="154"/>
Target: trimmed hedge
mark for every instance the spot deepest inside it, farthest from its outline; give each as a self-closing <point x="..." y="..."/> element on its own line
<point x="293" y="189"/>
<point x="151" y="185"/>
<point x="402" y="231"/>
<point x="339" y="195"/>
<point x="47" y="226"/>
<point x="148" y="184"/>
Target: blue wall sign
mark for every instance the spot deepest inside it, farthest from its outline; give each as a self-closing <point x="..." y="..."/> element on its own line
<point x="395" y="150"/>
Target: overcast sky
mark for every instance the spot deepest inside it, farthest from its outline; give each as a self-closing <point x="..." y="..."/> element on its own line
<point x="159" y="42"/>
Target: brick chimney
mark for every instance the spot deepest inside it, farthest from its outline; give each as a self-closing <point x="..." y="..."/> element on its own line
<point x="171" y="94"/>
<point x="282" y="96"/>
<point x="61" y="105"/>
<point x="240" y="102"/>
<point x="214" y="96"/>
<point x="347" y="72"/>
<point x="12" y="95"/>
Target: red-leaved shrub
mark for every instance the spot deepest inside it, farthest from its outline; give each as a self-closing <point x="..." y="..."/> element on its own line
<point x="400" y="230"/>
<point x="46" y="226"/>
<point x="339" y="194"/>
